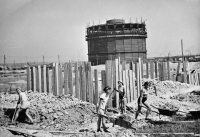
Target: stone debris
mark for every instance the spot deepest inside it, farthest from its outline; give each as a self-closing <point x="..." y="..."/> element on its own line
<point x="54" y="112"/>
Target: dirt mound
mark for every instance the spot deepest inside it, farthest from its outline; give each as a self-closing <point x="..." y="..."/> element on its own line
<point x="193" y="97"/>
<point x="54" y="112"/>
<point x="166" y="87"/>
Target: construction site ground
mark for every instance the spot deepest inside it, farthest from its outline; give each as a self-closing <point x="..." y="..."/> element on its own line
<point x="69" y="116"/>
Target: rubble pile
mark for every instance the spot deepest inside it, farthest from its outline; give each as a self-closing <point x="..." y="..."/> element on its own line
<point x="164" y="87"/>
<point x="55" y="112"/>
<point x="168" y="106"/>
<point x="193" y="97"/>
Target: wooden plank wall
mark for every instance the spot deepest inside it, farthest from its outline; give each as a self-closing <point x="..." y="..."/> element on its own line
<point x="79" y="80"/>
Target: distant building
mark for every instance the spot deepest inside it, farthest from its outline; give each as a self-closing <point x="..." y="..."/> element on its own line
<point x="116" y="39"/>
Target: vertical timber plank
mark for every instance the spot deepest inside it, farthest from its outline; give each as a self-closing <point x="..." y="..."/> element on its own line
<point x="109" y="78"/>
<point x="56" y="91"/>
<point x="116" y="82"/>
<point x="168" y="70"/>
<point x="164" y="71"/>
<point x="127" y="86"/>
<point x="151" y="70"/>
<point x="39" y="86"/>
<point x="131" y="84"/>
<point x="96" y="98"/>
<point x="44" y="81"/>
<point x="60" y="80"/>
<point x="156" y="69"/>
<point x="66" y="75"/>
<point x="80" y="79"/>
<point x="77" y="86"/>
<point x="33" y="71"/>
<point x="134" y="88"/>
<point x="28" y="78"/>
<point x="138" y="80"/>
<point x="90" y="83"/>
<point x="124" y="81"/>
<point x="160" y="71"/>
<point x="147" y="69"/>
<point x="83" y="82"/>
<point x="70" y="79"/>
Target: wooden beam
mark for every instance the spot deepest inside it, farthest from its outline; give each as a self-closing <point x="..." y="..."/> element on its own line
<point x="28" y="70"/>
<point x="168" y="71"/>
<point x="109" y="78"/>
<point x="96" y="99"/>
<point x="130" y="72"/>
<point x="33" y="74"/>
<point x="116" y="82"/>
<point x="66" y="75"/>
<point x="77" y="86"/>
<point x="156" y="69"/>
<point x="44" y="81"/>
<point x="147" y="69"/>
<point x="134" y="87"/>
<point x="70" y="79"/>
<point x="38" y="79"/>
<point x="83" y="82"/>
<point x="127" y="86"/>
<point x="151" y="70"/>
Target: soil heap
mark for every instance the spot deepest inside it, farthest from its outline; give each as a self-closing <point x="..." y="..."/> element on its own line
<point x="54" y="112"/>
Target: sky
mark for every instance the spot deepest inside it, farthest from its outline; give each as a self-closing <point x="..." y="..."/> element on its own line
<point x="55" y="29"/>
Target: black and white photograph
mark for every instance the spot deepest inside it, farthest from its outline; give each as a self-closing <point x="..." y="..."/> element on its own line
<point x="99" y="68"/>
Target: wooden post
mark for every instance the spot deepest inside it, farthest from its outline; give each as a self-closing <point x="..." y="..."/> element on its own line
<point x="33" y="79"/>
<point x="38" y="76"/>
<point x="138" y="80"/>
<point x="103" y="81"/>
<point x="44" y="81"/>
<point x="96" y="99"/>
<point x="77" y="86"/>
<point x="60" y="80"/>
<point x="160" y="71"/>
<point x="131" y="84"/>
<point x="140" y="74"/>
<point x="66" y="75"/>
<point x="28" y="78"/>
<point x="70" y="79"/>
<point x="178" y="68"/>
<point x="151" y="70"/>
<point x="49" y="80"/>
<point x="116" y="82"/>
<point x="127" y="86"/>
<point x="156" y="69"/>
<point x="109" y="78"/>
<point x="164" y="71"/>
<point x="80" y="79"/>
<point x="141" y="68"/>
<point x="124" y="81"/>
<point x="184" y="72"/>
<point x="123" y="65"/>
<point x="147" y="69"/>
<point x="56" y="85"/>
<point x="90" y="80"/>
<point x="83" y="82"/>
<point x="168" y="70"/>
<point x="134" y="88"/>
<point x="53" y="78"/>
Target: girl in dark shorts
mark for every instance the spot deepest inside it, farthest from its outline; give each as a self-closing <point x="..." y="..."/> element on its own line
<point x="142" y="100"/>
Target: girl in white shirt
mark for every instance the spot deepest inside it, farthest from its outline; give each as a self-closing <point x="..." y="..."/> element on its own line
<point x="101" y="106"/>
<point x="22" y="105"/>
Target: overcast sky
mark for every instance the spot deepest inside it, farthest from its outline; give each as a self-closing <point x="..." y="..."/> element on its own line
<point x="30" y="29"/>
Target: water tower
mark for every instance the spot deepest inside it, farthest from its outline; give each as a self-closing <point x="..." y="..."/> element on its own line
<point x="116" y="39"/>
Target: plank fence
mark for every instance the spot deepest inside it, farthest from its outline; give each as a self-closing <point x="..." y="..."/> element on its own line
<point x="80" y="80"/>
